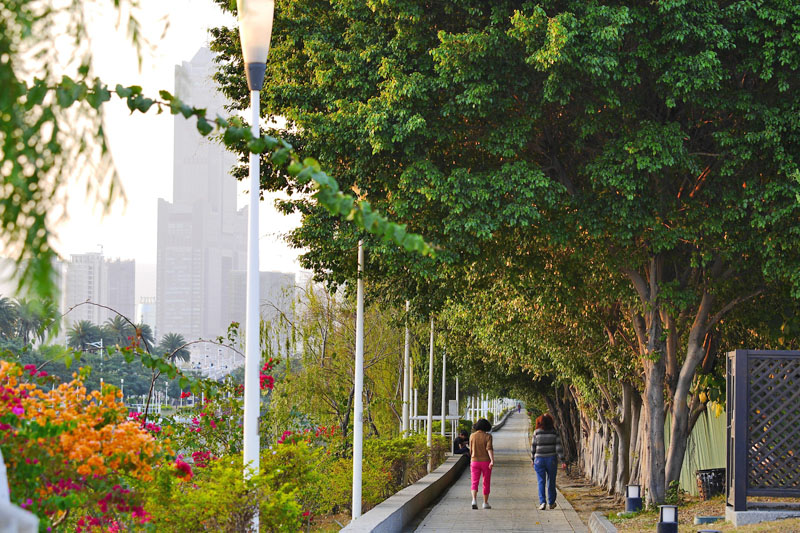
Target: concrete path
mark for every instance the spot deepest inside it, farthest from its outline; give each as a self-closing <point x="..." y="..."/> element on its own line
<point x="514" y="498"/>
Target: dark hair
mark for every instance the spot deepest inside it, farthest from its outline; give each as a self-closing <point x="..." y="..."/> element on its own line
<point x="482" y="425"/>
<point x="463" y="433"/>
<point x="545" y="422"/>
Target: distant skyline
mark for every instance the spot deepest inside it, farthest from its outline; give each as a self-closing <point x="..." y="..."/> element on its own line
<point x="142" y="146"/>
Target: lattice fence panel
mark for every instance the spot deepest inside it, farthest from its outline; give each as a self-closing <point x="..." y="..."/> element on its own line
<point x="773" y="452"/>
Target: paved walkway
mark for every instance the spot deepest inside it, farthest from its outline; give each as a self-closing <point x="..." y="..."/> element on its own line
<point x="514" y="497"/>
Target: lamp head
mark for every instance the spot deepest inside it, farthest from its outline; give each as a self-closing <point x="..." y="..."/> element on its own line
<point x="633" y="491"/>
<point x="668" y="514"/>
<point x="255" y="31"/>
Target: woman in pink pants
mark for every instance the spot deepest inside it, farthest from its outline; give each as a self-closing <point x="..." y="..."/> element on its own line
<point x="482" y="455"/>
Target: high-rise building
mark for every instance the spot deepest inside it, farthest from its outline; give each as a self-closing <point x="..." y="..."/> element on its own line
<point x="90" y="277"/>
<point x="85" y="280"/>
<point x="121" y="282"/>
<point x="201" y="234"/>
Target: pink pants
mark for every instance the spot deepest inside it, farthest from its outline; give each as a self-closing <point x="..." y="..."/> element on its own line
<point x="478" y="468"/>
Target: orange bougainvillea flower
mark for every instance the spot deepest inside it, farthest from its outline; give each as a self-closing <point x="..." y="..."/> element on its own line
<point x="72" y="441"/>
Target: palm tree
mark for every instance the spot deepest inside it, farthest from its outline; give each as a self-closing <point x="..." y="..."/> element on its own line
<point x="118" y="331"/>
<point x="146" y="337"/>
<point x="8" y="318"/>
<point x="30" y="321"/>
<point x="172" y="345"/>
<point x="82" y="334"/>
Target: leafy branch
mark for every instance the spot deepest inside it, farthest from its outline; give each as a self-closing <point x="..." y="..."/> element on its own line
<point x="233" y="131"/>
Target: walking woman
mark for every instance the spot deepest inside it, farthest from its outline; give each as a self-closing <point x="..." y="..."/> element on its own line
<point x="482" y="455"/>
<point x="546" y="452"/>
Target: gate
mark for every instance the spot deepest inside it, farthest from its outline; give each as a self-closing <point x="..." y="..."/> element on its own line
<point x="763" y="400"/>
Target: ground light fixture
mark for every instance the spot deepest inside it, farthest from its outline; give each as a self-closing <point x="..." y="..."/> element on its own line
<point x="633" y="498"/>
<point x="255" y="31"/>
<point x="667" y="519"/>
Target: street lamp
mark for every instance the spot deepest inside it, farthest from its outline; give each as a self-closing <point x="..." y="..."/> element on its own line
<point x="255" y="30"/>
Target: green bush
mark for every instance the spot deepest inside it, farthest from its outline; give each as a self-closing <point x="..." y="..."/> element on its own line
<point x="388" y="466"/>
<point x="218" y="498"/>
<point x="465" y="425"/>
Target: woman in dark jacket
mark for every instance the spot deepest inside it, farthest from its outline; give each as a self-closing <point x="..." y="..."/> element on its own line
<point x="546" y="452"/>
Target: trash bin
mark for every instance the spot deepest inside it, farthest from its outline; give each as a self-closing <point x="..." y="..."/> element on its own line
<point x="710" y="482"/>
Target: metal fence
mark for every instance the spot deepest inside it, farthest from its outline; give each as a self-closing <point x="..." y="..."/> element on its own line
<point x="763" y="426"/>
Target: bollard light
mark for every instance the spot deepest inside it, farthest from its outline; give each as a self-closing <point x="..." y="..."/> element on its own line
<point x="633" y="498"/>
<point x="667" y="519"/>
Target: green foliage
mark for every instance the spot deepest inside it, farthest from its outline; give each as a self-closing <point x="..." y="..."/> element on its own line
<point x="674" y="493"/>
<point x="322" y="330"/>
<point x="580" y="167"/>
<point x="219" y="498"/>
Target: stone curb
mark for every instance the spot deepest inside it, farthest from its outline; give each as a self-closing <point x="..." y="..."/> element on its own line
<point x="598" y="523"/>
<point x="394" y="513"/>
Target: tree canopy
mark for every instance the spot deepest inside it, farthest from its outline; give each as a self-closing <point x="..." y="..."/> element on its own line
<point x="655" y="144"/>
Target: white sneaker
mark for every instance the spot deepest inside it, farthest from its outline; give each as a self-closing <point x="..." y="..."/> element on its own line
<point x="487" y="506"/>
<point x="543" y="507"/>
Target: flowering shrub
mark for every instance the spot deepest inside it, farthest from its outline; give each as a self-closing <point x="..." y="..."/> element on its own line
<point x="218" y="498"/>
<point x="71" y="454"/>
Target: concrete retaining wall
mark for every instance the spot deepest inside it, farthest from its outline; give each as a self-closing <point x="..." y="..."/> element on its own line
<point x="395" y="512"/>
<point x="502" y="421"/>
<point x="598" y="523"/>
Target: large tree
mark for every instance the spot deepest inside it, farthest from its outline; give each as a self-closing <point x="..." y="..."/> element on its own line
<point x="660" y="138"/>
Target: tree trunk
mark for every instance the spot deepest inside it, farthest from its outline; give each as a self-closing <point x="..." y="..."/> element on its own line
<point x="614" y="442"/>
<point x="633" y="455"/>
<point x="623" y="433"/>
<point x="680" y="430"/>
<point x="680" y="406"/>
<point x="652" y="345"/>
<point x="655" y="373"/>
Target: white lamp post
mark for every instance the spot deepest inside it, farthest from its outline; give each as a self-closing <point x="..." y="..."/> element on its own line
<point x="255" y="30"/>
<point x="358" y="400"/>
<point x="122" y="388"/>
<point x="444" y="392"/>
<point x="406" y="375"/>
<point x="429" y="429"/>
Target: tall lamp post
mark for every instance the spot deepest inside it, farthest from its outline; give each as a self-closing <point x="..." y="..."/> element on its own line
<point x="255" y="30"/>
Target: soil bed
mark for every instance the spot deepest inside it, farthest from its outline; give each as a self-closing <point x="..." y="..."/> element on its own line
<point x="691" y="507"/>
<point x="585" y="497"/>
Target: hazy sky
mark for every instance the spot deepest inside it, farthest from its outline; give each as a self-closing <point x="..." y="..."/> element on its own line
<point x="142" y="145"/>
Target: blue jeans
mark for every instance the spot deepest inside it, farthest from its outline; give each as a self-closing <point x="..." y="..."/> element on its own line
<point x="546" y="469"/>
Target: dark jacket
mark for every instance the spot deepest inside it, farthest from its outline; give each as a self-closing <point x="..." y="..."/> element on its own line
<point x="546" y="443"/>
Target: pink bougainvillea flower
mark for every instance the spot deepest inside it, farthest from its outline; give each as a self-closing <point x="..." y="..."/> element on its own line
<point x="267" y="382"/>
<point x="17" y="410"/>
<point x="185" y="394"/>
<point x="183" y="469"/>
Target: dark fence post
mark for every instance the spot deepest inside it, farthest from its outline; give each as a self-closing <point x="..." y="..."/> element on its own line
<point x="740" y="422"/>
